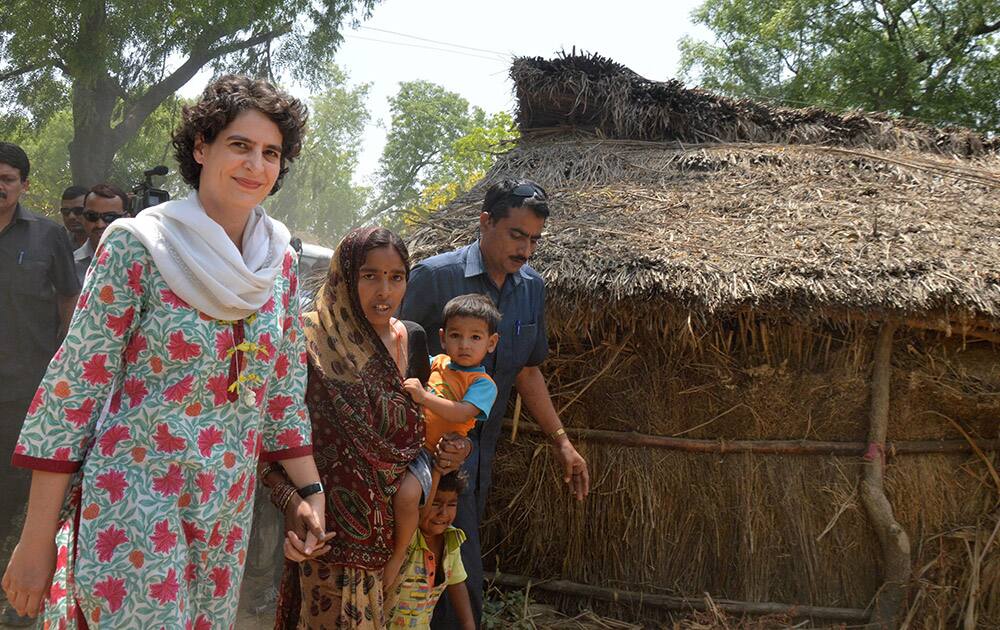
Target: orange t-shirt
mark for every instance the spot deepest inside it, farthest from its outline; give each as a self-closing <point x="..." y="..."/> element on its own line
<point x="458" y="384"/>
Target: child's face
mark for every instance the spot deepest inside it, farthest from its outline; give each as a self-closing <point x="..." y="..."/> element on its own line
<point x="441" y="514"/>
<point x="467" y="340"/>
<point x="381" y="284"/>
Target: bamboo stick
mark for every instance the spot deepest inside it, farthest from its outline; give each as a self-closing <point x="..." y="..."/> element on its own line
<point x="892" y="537"/>
<point x="763" y="447"/>
<point x="576" y="589"/>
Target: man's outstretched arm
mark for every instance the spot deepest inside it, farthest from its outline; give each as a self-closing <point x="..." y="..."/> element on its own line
<point x="535" y="393"/>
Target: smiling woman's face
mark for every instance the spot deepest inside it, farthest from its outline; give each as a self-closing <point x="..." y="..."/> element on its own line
<point x="239" y="167"/>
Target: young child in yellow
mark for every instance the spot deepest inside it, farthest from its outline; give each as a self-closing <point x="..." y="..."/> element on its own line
<point x="434" y="563"/>
<point x="458" y="393"/>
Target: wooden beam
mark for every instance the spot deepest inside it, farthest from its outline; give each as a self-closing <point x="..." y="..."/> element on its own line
<point x="763" y="447"/>
<point x="892" y="537"/>
<point x="576" y="589"/>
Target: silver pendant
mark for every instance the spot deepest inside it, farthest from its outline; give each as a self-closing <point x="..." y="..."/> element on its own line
<point x="249" y="397"/>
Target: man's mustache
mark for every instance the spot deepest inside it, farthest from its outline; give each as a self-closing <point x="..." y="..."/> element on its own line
<point x="3" y="195"/>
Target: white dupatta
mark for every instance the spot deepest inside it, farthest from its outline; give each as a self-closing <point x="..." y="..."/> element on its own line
<point x="202" y="265"/>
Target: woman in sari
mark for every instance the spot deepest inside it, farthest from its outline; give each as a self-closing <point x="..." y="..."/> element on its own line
<point x="366" y="432"/>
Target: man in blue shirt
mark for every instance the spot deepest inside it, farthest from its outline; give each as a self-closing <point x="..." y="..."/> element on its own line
<point x="510" y="225"/>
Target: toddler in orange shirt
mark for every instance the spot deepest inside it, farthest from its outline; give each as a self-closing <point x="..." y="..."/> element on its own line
<point x="458" y="393"/>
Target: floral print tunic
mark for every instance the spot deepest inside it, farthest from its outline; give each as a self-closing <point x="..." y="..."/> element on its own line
<point x="157" y="533"/>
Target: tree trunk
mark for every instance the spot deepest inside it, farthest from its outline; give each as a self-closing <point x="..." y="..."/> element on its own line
<point x="94" y="96"/>
<point x="93" y="148"/>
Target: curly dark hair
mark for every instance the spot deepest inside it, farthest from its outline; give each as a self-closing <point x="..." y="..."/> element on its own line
<point x="222" y="101"/>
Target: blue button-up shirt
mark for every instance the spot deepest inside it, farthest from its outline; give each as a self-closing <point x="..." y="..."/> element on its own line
<point x="523" y="341"/>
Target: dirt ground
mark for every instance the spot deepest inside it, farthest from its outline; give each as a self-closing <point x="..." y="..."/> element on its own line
<point x="248" y="618"/>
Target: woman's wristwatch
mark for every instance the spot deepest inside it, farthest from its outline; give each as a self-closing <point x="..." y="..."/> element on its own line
<point x="311" y="489"/>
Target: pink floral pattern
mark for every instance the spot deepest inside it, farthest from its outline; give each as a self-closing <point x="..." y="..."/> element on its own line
<point x="138" y="399"/>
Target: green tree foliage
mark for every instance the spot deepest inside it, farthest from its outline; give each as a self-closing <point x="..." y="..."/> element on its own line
<point x="436" y="148"/>
<point x="48" y="149"/>
<point x="318" y="199"/>
<point x="113" y="62"/>
<point x="933" y="60"/>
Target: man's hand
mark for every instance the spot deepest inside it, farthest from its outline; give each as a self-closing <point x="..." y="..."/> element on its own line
<point x="415" y="389"/>
<point x="535" y="394"/>
<point x="452" y="451"/>
<point x="575" y="472"/>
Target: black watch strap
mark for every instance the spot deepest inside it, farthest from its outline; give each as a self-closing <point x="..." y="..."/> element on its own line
<point x="311" y="489"/>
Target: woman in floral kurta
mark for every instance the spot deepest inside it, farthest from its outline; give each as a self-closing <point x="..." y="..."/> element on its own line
<point x="168" y="475"/>
<point x="156" y="531"/>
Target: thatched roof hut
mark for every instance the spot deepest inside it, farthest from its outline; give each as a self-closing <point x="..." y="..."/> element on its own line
<point x="748" y="306"/>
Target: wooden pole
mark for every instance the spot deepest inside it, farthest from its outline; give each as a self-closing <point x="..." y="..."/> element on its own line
<point x="576" y="589"/>
<point x="768" y="447"/>
<point x="892" y="538"/>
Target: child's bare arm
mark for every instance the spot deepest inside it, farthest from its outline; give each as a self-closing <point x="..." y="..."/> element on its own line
<point x="452" y="411"/>
<point x="429" y="499"/>
<point x="458" y="596"/>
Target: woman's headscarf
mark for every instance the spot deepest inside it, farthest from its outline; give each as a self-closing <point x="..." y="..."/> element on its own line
<point x="371" y="407"/>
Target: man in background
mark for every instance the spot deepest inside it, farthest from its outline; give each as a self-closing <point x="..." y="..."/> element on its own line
<point x="38" y="290"/>
<point x="102" y="205"/>
<point x="510" y="226"/>
<point x="71" y="208"/>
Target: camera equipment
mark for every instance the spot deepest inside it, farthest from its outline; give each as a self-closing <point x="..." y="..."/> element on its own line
<point x="147" y="195"/>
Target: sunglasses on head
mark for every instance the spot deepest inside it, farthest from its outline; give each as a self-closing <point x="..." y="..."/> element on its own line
<point x="107" y="217"/>
<point x="528" y="191"/>
<point x="78" y="210"/>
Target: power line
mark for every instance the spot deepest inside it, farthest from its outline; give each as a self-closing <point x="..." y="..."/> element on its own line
<point x="435" y="41"/>
<point x="447" y="50"/>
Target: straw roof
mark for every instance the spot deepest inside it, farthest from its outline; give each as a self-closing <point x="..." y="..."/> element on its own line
<point x="665" y="193"/>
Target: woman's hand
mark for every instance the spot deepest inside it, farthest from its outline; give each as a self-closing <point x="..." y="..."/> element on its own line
<point x="305" y="525"/>
<point x="452" y="451"/>
<point x="29" y="574"/>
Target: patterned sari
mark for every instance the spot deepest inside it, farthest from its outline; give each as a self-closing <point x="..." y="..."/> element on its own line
<point x="366" y="430"/>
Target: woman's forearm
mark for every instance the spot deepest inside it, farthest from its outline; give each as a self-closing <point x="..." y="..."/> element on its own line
<point x="301" y="470"/>
<point x="48" y="490"/>
<point x="271" y="474"/>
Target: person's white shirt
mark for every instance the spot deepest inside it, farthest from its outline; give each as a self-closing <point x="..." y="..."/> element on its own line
<point x="82" y="257"/>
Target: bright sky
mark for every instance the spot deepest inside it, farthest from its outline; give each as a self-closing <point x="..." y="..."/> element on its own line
<point x="641" y="34"/>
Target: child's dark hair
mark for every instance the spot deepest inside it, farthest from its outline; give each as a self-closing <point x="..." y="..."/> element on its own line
<point x="474" y="305"/>
<point x="455" y="481"/>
